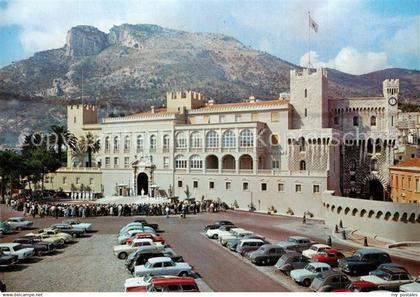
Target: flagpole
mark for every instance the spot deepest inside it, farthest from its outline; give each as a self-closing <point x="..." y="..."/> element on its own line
<point x="309" y="40"/>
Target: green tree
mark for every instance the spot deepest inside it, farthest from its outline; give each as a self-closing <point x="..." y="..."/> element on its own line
<point x="78" y="153"/>
<point x="61" y="138"/>
<point x="10" y="165"/>
<point x="91" y="145"/>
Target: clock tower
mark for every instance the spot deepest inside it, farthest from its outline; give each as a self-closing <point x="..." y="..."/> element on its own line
<point x="391" y="89"/>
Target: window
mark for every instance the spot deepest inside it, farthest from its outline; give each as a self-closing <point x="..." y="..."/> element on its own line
<point x="196" y="162"/>
<point x="166" y="142"/>
<point x="246" y="138"/>
<point x="228" y="185"/>
<point x="107" y="161"/>
<point x="298" y="188"/>
<point x="316" y="188"/>
<point x="245" y="186"/>
<point x="183" y="95"/>
<point x="403" y="182"/>
<point x="116" y="143"/>
<point x="263" y="187"/>
<point x="356" y="121"/>
<point x="238" y="117"/>
<point x="180" y="161"/>
<point x="280" y="187"/>
<point x="126" y="162"/>
<point x="212" y="139"/>
<point x="77" y="180"/>
<point x="306" y="93"/>
<point x="302" y="144"/>
<point x="196" y="140"/>
<point x="306" y="112"/>
<point x="211" y="185"/>
<point x="229" y="139"/>
<point x="302" y="165"/>
<point x="91" y="181"/>
<point x="180" y="184"/>
<point x="166" y="162"/>
<point x="336" y="121"/>
<point x="275" y="164"/>
<point x="140" y="143"/>
<point x="353" y="165"/>
<point x="180" y="140"/>
<point x="74" y="120"/>
<point x="408" y="183"/>
<point x="374" y="165"/>
<point x="51" y="179"/>
<point x="116" y="161"/>
<point x="195" y="184"/>
<point x="275" y="139"/>
<point x="254" y="117"/>
<point x="127" y="143"/>
<point x="417" y="185"/>
<point x="107" y="143"/>
<point x="373" y="121"/>
<point x="152" y="142"/>
<point x="64" y="180"/>
<point x="275" y="116"/>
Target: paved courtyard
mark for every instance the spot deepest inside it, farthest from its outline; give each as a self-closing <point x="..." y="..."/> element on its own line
<point x="89" y="264"/>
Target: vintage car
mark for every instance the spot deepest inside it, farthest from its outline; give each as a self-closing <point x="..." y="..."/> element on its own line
<point x="2" y="286"/>
<point x="382" y="268"/>
<point x="411" y="287"/>
<point x="132" y="259"/>
<point x="224" y="229"/>
<point x="6" y="228"/>
<point x="87" y="227"/>
<point x="363" y="261"/>
<point x="69" y="229"/>
<point x="248" y="245"/>
<point x="154" y="237"/>
<point x="20" y="223"/>
<point x="122" y="251"/>
<point x="53" y="236"/>
<point x="329" y="280"/>
<point x="329" y="256"/>
<point x="40" y="247"/>
<point x="306" y="275"/>
<point x="135" y="226"/>
<point x="267" y="254"/>
<point x="302" y="242"/>
<point x="391" y="280"/>
<point x="358" y="287"/>
<point x="217" y="224"/>
<point x="145" y="223"/>
<point x="7" y="260"/>
<point x="123" y="237"/>
<point x="172" y="284"/>
<point x="139" y="284"/>
<point x="315" y="248"/>
<point x="291" y="260"/>
<point x="16" y="249"/>
<point x="234" y="233"/>
<point x="163" y="266"/>
<point x="232" y="244"/>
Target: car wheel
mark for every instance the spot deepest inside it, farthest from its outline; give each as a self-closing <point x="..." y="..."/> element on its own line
<point x="306" y="282"/>
<point x="215" y="236"/>
<point x="62" y="242"/>
<point x="122" y="256"/>
<point x="183" y="273"/>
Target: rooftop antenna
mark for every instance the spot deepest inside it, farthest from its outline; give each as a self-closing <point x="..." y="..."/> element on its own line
<point x="312" y="25"/>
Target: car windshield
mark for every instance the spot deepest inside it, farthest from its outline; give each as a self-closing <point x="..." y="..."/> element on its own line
<point x="147" y="265"/>
<point x="310" y="268"/>
<point x="147" y="278"/>
<point x="18" y="247"/>
<point x="357" y="255"/>
<point x="314" y="248"/>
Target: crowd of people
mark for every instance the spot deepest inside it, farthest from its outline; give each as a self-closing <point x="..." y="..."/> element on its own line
<point x="60" y="209"/>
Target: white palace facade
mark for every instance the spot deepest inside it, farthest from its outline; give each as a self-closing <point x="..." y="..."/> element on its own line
<point x="280" y="154"/>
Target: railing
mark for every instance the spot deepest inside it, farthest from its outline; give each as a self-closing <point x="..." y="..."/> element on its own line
<point x="228" y="149"/>
<point x="229" y="171"/>
<point x="247" y="149"/>
<point x="107" y="151"/>
<point x="116" y="150"/>
<point x="165" y="150"/>
<point x="212" y="170"/>
<point x="139" y="150"/>
<point x="126" y="150"/>
<point x="152" y="150"/>
<point x="212" y="149"/>
<point x="246" y="171"/>
<point x="196" y="149"/>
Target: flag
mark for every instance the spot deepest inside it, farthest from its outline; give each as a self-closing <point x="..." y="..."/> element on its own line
<point x="312" y="24"/>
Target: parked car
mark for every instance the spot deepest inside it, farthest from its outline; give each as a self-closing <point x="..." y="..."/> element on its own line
<point x="358" y="286"/>
<point x="154" y="237"/>
<point x="122" y="251"/>
<point x="267" y="254"/>
<point x="232" y="244"/>
<point x="411" y="287"/>
<point x="306" y="275"/>
<point x="20" y="223"/>
<point x="247" y="245"/>
<point x="145" y="223"/>
<point x="329" y="256"/>
<point x="391" y="280"/>
<point x="6" y="228"/>
<point x="315" y="248"/>
<point x="69" y="229"/>
<point x="52" y="236"/>
<point x="142" y="257"/>
<point x="234" y="233"/>
<point x="215" y="233"/>
<point x="7" y="260"/>
<point x="139" y="284"/>
<point x="163" y="266"/>
<point x="329" y="280"/>
<point x="382" y="268"/>
<point x="302" y="242"/>
<point x="16" y="249"/>
<point x="2" y="286"/>
<point x="173" y="284"/>
<point x="363" y="260"/>
<point x="167" y="252"/>
<point x="290" y="261"/>
<point x="123" y="237"/>
<point x="87" y="227"/>
<point x="40" y="247"/>
<point x="217" y="224"/>
<point x="289" y="246"/>
<point x="136" y="226"/>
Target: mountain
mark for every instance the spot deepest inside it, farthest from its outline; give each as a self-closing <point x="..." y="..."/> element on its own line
<point x="132" y="66"/>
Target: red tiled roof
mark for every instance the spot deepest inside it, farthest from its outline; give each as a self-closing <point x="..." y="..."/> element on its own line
<point x="413" y="162"/>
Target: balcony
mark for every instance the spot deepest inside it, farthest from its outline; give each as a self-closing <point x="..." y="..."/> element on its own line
<point x="126" y="150"/>
<point x="165" y="150"/>
<point x="139" y="150"/>
<point x="212" y="149"/>
<point x="107" y="151"/>
<point x="116" y="150"/>
<point x="152" y="150"/>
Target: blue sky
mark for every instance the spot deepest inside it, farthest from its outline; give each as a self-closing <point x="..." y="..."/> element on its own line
<point x="354" y="36"/>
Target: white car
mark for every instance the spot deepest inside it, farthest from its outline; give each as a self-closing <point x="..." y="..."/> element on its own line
<point x="78" y="225"/>
<point x="411" y="287"/>
<point x="215" y="233"/>
<point x="137" y="227"/>
<point x="140" y="282"/>
<point x="122" y="251"/>
<point x="122" y="238"/>
<point x="16" y="249"/>
<point x="234" y="233"/>
<point x="19" y="223"/>
<point x="314" y="249"/>
<point x="391" y="279"/>
<point x="130" y="226"/>
<point x="306" y="275"/>
<point x="163" y="266"/>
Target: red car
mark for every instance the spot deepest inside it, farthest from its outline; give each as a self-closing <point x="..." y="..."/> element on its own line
<point x="154" y="237"/>
<point x="329" y="256"/>
<point x="358" y="286"/>
<point x="173" y="284"/>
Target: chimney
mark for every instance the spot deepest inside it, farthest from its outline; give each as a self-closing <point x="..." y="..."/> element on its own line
<point x="152" y="109"/>
<point x="251" y="99"/>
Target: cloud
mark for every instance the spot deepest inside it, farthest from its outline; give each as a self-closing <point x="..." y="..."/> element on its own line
<point x="350" y="60"/>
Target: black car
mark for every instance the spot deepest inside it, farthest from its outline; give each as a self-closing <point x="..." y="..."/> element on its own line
<point x="382" y="269"/>
<point x="40" y="247"/>
<point x="69" y="229"/>
<point x="145" y="223"/>
<point x="217" y="224"/>
<point x="363" y="261"/>
<point x="142" y="257"/>
<point x="7" y="260"/>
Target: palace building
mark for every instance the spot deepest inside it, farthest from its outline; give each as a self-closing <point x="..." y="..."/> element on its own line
<point x="280" y="154"/>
